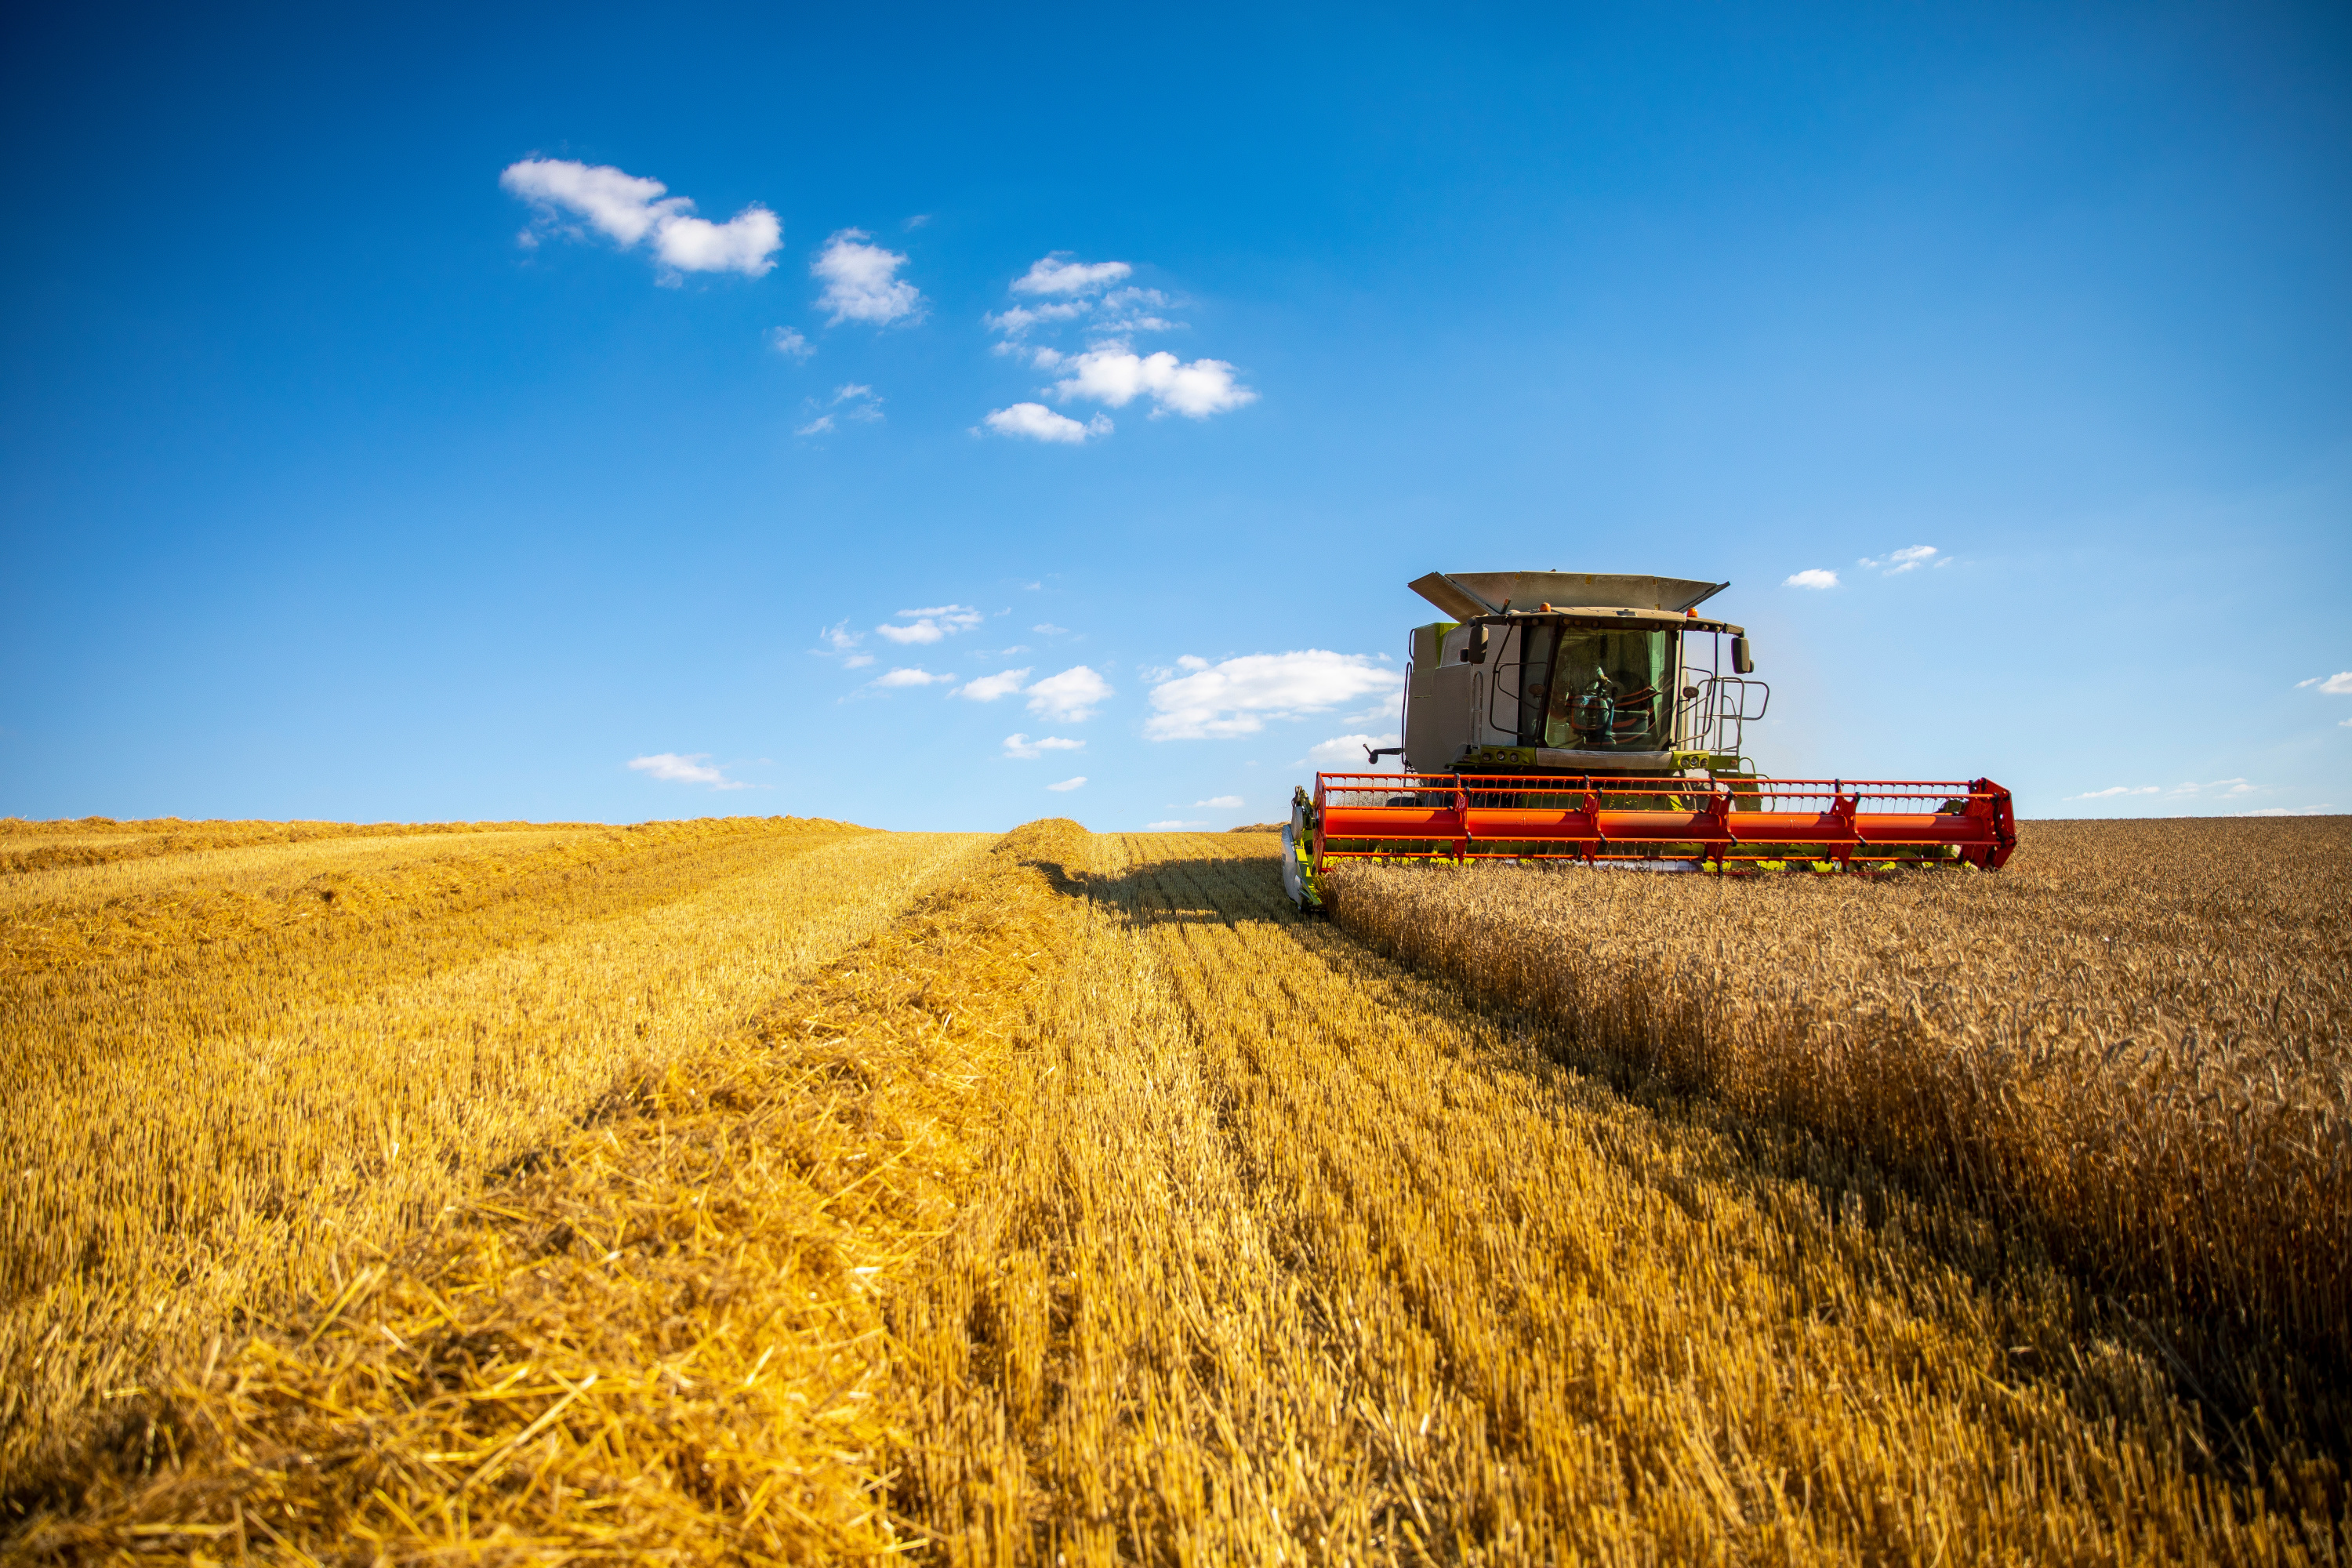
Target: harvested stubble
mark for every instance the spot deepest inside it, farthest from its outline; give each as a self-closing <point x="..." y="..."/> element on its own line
<point x="97" y="840"/>
<point x="2130" y="1047"/>
<point x="367" y="1027"/>
<point x="1199" y="1233"/>
<point x="662" y="1334"/>
<point x="1288" y="1254"/>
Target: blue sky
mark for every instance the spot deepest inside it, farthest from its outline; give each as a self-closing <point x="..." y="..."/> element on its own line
<point x="379" y="442"/>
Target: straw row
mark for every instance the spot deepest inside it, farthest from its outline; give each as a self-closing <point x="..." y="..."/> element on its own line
<point x="216" y="1078"/>
<point x="661" y="1335"/>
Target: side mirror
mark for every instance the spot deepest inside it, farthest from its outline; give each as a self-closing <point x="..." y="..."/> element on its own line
<point x="1742" y="661"/>
<point x="1476" y="652"/>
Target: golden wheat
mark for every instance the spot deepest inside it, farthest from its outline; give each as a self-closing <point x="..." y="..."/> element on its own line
<point x="1098" y="1209"/>
<point x="224" y="1065"/>
<point x="663" y="1336"/>
<point x="2132" y="1044"/>
<point x="1291" y="1255"/>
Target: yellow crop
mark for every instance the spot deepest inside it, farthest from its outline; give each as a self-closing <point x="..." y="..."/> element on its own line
<point x="2132" y="1047"/>
<point x="1073" y="1200"/>
<point x="223" y="1066"/>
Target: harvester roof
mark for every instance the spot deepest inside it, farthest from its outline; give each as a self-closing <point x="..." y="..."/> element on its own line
<point x="1659" y="602"/>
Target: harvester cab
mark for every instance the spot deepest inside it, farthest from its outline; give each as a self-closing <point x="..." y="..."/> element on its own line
<point x="1598" y="719"/>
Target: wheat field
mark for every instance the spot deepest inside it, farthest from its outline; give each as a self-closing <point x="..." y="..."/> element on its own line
<point x="783" y="1193"/>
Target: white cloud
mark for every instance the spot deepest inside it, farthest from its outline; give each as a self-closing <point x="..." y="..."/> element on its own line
<point x="693" y="768"/>
<point x="1221" y="802"/>
<point x="1027" y="750"/>
<point x="1049" y="628"/>
<point x="744" y="243"/>
<point x="1237" y="695"/>
<point x="928" y="625"/>
<point x="863" y="404"/>
<point x="1908" y="559"/>
<point x="1070" y="696"/>
<point x="2336" y="684"/>
<point x="2289" y="810"/>
<point x="2226" y="786"/>
<point x="1171" y="827"/>
<point x="1017" y="319"/>
<point x="1812" y="578"/>
<point x="1345" y="754"/>
<point x="1116" y="374"/>
<point x="790" y="344"/>
<point x="816" y="427"/>
<point x="1129" y="310"/>
<point x="840" y="638"/>
<point x="1052" y="275"/>
<point x="1068" y="784"/>
<point x="858" y="661"/>
<point x="861" y="282"/>
<point x="1036" y="422"/>
<point x="629" y="208"/>
<point x="625" y="207"/>
<point x="2114" y="790"/>
<point x="899" y="677"/>
<point x="989" y="687"/>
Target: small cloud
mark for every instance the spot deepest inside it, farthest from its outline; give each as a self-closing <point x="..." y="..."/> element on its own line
<point x="2287" y="810"/>
<point x="1068" y="784"/>
<point x="863" y="405"/>
<point x="2114" y="790"/>
<point x="1017" y="321"/>
<point x="628" y="208"/>
<point x="858" y="661"/>
<point x="1048" y="627"/>
<point x="2336" y="684"/>
<point x="1812" y="578"/>
<point x="839" y="637"/>
<point x="861" y="282"/>
<point x="1071" y="697"/>
<point x="1027" y="750"/>
<point x="1221" y="802"/>
<point x="1237" y="695"/>
<point x="816" y="427"/>
<point x="1171" y="827"/>
<point x="1052" y="275"/>
<point x="918" y="220"/>
<point x="1035" y="422"/>
<point x="788" y="342"/>
<point x="1897" y="562"/>
<point x="693" y="768"/>
<point x="928" y="625"/>
<point x="899" y="677"/>
<point x="1345" y="754"/>
<point x="989" y="687"/>
<point x="1116" y="374"/>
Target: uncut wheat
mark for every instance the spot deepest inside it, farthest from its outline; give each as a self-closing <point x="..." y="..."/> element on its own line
<point x="2132" y="1044"/>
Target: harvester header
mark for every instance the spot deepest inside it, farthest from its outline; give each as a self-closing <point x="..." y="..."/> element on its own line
<point x="1599" y="717"/>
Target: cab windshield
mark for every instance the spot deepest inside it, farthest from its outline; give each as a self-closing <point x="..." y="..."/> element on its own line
<point x="1610" y="691"/>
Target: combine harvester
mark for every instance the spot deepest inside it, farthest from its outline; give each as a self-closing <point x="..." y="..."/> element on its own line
<point x="1591" y="717"/>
